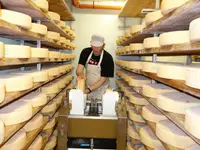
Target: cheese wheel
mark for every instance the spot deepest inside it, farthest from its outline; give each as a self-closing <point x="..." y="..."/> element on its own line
<point x="134" y="116"/>
<point x="53" y="54"/>
<point x="35" y="123"/>
<point x="61" y="83"/>
<point x="50" y="124"/>
<point x="2" y="92"/>
<point x="138" y="99"/>
<point x="132" y="132"/>
<point x="192" y="119"/>
<point x="192" y="77"/>
<point x="194" y="30"/>
<point x="135" y="65"/>
<point x="39" y="53"/>
<point x="53" y="35"/>
<point x="58" y="99"/>
<point x="22" y="20"/>
<point x="128" y="34"/>
<point x="175" y="37"/>
<point x="150" y="113"/>
<point x="127" y="48"/>
<point x="36" y="99"/>
<point x="149" y="67"/>
<point x="12" y="114"/>
<point x="2" y="130"/>
<point x="43" y="4"/>
<point x="55" y="133"/>
<point x="50" y="88"/>
<point x="63" y="40"/>
<point x="172" y="71"/>
<point x="53" y="71"/>
<point x="149" y="138"/>
<point x="61" y="24"/>
<point x="17" y="142"/>
<point x="52" y="143"/>
<point x="2" y="49"/>
<point x="39" y="28"/>
<point x="143" y="148"/>
<point x="176" y="102"/>
<point x="51" y="107"/>
<point x="136" y="46"/>
<point x="152" y="90"/>
<point x="172" y="135"/>
<point x="152" y="17"/>
<point x="54" y="16"/>
<point x="37" y="143"/>
<point x="23" y="82"/>
<point x="193" y="147"/>
<point x="152" y="42"/>
<point x="130" y="146"/>
<point x="136" y="28"/>
<point x="170" y="5"/>
<point x="17" y="51"/>
<point x="139" y="81"/>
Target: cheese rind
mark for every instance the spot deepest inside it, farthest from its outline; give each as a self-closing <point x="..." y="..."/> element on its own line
<point x="2" y="92"/>
<point x="43" y="4"/>
<point x="194" y="30"/>
<point x="53" y="35"/>
<point x="129" y="146"/>
<point x="2" y="49"/>
<point x="193" y="147"/>
<point x="17" y="51"/>
<point x="39" y="53"/>
<point x="35" y="123"/>
<point x="176" y="102"/>
<point x="136" y="28"/>
<point x="149" y="67"/>
<point x="2" y="131"/>
<point x="132" y="132"/>
<point x="152" y="42"/>
<point x="39" y="28"/>
<point x="172" y="135"/>
<point x="37" y="143"/>
<point x="51" y="107"/>
<point x="50" y="124"/>
<point x="136" y="46"/>
<point x="152" y="17"/>
<point x="22" y="20"/>
<point x="52" y="143"/>
<point x="137" y="99"/>
<point x="54" y="16"/>
<point x="50" y="88"/>
<point x="53" y="54"/>
<point x="134" y="116"/>
<point x="53" y="71"/>
<point x="192" y="77"/>
<point x="138" y="81"/>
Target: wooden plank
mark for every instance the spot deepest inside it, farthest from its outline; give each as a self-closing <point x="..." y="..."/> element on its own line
<point x="176" y="20"/>
<point x="133" y="8"/>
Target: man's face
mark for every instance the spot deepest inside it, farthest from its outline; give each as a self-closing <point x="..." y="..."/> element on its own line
<point x="97" y="50"/>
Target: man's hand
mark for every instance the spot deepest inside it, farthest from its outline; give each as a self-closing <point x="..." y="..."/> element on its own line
<point x="87" y="91"/>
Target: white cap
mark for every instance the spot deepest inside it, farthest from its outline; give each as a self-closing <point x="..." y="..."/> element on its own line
<point x="97" y="40"/>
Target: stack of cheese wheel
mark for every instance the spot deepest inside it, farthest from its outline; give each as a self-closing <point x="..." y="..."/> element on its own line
<point x="136" y="46"/>
<point x="23" y="20"/>
<point x="36" y="99"/>
<point x="38" y="76"/>
<point x="152" y="42"/>
<point x="135" y="116"/>
<point x="172" y="136"/>
<point x="54" y="16"/>
<point x="152" y="90"/>
<point x="49" y="108"/>
<point x="2" y="49"/>
<point x="194" y="30"/>
<point x="39" y="53"/>
<point x="58" y="100"/>
<point x="192" y="77"/>
<point x="54" y="71"/>
<point x="152" y="17"/>
<point x="193" y="147"/>
<point x="152" y="115"/>
<point x="139" y="81"/>
<point x="53" y="54"/>
<point x="51" y="89"/>
<point x="192" y="120"/>
<point x="132" y="133"/>
<point x="149" y="67"/>
<point x="17" y="51"/>
<point x="51" y="143"/>
<point x="176" y="102"/>
<point x="35" y="123"/>
<point x="43" y="4"/>
<point x="37" y="143"/>
<point x="175" y="37"/>
<point x="136" y="28"/>
<point x="149" y="139"/>
<point x="53" y="35"/>
<point x="169" y="5"/>
<point x="39" y="28"/>
<point x="12" y="114"/>
<point x="172" y="71"/>
<point x="50" y="126"/>
<point x="17" y="142"/>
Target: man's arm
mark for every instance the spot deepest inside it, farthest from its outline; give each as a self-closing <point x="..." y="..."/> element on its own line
<point x="79" y="71"/>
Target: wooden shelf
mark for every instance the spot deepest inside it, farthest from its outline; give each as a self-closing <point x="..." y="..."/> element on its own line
<point x="176" y="20"/>
<point x="60" y="7"/>
<point x="133" y="8"/>
<point x="179" y="49"/>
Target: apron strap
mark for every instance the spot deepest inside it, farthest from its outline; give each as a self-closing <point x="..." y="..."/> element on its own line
<point x="89" y="57"/>
<point x="101" y="58"/>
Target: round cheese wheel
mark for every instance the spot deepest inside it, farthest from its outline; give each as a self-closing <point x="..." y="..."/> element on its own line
<point x="149" y="138"/>
<point x="53" y="54"/>
<point x="136" y="28"/>
<point x="39" y="28"/>
<point x="52" y="143"/>
<point x="37" y="143"/>
<point x="192" y="77"/>
<point x="127" y="48"/>
<point x="175" y="37"/>
<point x="51" y="107"/>
<point x="135" y="65"/>
<point x="36" y="99"/>
<point x="53" y="71"/>
<point x="128" y="34"/>
<point x="194" y="30"/>
<point x="152" y="17"/>
<point x="53" y="35"/>
<point x="2" y="92"/>
<point x="143" y="148"/>
<point x="22" y="20"/>
<point x="139" y="81"/>
<point x="152" y="42"/>
<point x="50" y="124"/>
<point x="176" y="102"/>
<point x="50" y="88"/>
<point x="61" y="24"/>
<point x="132" y="132"/>
<point x="130" y="146"/>
<point x="150" y="113"/>
<point x="63" y="40"/>
<point x="149" y="67"/>
<point x="18" y="141"/>
<point x="136" y="46"/>
<point x="172" y="71"/>
<point x="23" y="82"/>
<point x="43" y="4"/>
<point x="193" y="147"/>
<point x="35" y="123"/>
<point x="58" y="99"/>
<point x="137" y="99"/>
<point x="134" y="116"/>
<point x="39" y="53"/>
<point x="54" y="16"/>
<point x="2" y="131"/>
<point x="192" y="120"/>
<point x="17" y="51"/>
<point x="172" y="135"/>
<point x="12" y="114"/>
<point x="2" y="49"/>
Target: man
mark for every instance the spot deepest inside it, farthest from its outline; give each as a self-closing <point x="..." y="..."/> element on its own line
<point x="99" y="67"/>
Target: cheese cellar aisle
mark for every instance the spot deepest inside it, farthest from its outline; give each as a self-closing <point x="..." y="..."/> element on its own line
<point x="35" y="73"/>
<point x="162" y="97"/>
